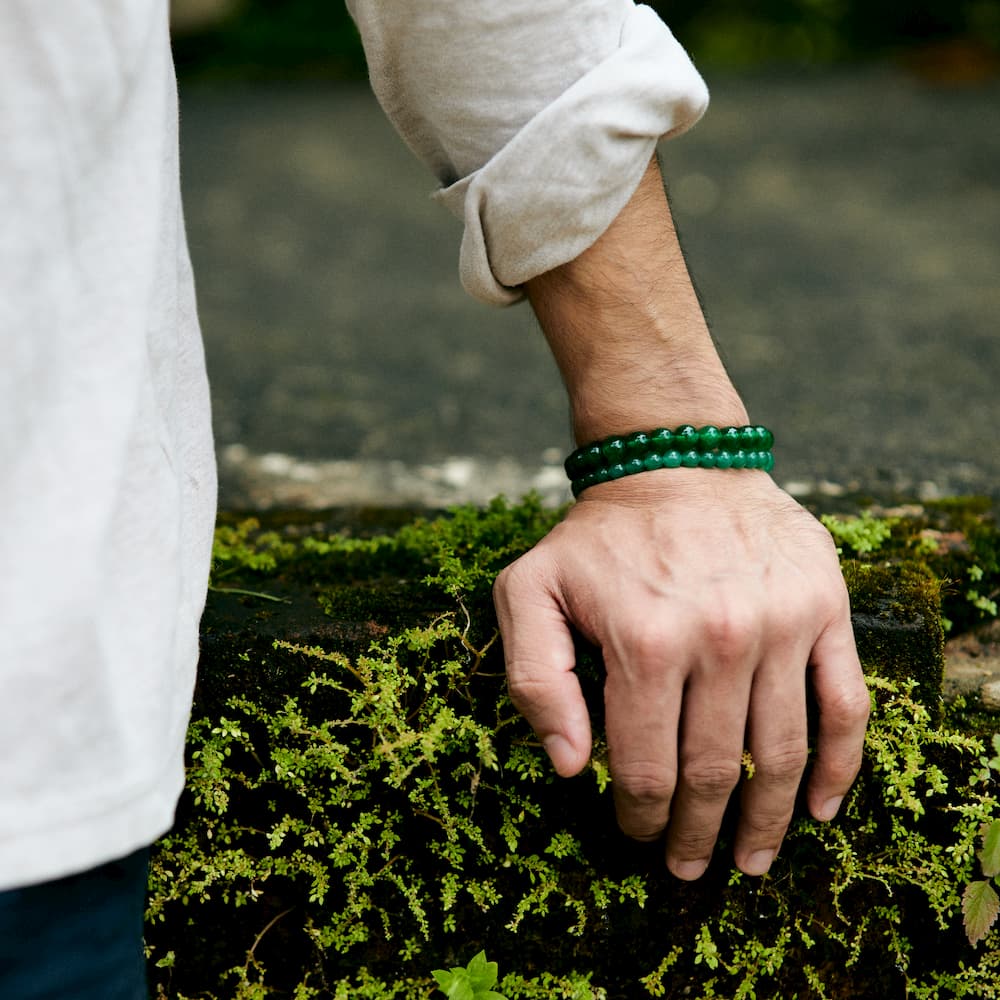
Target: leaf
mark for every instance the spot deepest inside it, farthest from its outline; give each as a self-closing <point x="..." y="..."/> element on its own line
<point x="980" y="906"/>
<point x="472" y="982"/>
<point x="990" y="854"/>
<point x="455" y="984"/>
<point x="461" y="989"/>
<point x="483" y="974"/>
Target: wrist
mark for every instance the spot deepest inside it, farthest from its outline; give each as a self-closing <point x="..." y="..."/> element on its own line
<point x="636" y="398"/>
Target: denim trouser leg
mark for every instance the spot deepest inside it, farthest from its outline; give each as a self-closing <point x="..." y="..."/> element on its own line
<point x="77" y="938"/>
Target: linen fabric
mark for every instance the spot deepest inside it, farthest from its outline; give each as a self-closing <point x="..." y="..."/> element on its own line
<point x="108" y="497"/>
<point x="538" y="118"/>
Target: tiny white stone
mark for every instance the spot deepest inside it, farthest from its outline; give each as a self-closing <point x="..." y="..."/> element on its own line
<point x="798" y="488"/>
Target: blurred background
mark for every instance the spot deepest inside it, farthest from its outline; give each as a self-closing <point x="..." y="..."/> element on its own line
<point x="839" y="204"/>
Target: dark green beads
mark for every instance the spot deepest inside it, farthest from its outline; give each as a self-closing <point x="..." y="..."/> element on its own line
<point x="686" y="446"/>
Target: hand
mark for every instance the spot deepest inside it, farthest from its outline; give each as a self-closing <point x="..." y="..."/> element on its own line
<point x="715" y="599"/>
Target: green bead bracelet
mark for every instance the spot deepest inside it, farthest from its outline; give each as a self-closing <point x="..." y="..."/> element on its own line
<point x="688" y="447"/>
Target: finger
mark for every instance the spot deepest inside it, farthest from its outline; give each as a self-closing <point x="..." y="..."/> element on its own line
<point x="540" y="658"/>
<point x="844" y="704"/>
<point x="712" y="734"/>
<point x="777" y="740"/>
<point x="642" y="711"/>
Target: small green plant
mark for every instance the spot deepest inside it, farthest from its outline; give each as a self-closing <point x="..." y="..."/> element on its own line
<point x="473" y="982"/>
<point x="984" y="603"/>
<point x="863" y="535"/>
<point x="980" y="903"/>
<point x="363" y="802"/>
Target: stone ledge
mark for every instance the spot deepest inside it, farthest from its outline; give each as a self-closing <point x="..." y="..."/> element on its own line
<point x="896" y="608"/>
<point x="972" y="665"/>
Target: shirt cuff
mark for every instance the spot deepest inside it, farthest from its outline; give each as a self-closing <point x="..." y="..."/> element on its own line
<point x="557" y="185"/>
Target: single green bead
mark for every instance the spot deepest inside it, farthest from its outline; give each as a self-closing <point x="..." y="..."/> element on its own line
<point x="602" y="475"/>
<point x="729" y="438"/>
<point x="768" y="465"/>
<point x="709" y="438"/>
<point x="575" y="464"/>
<point x="765" y="439"/>
<point x="591" y="457"/>
<point x="707" y="459"/>
<point x="653" y="461"/>
<point x="739" y="459"/>
<point x="616" y="471"/>
<point x="636" y="444"/>
<point x="691" y="459"/>
<point x="661" y="440"/>
<point x="671" y="459"/>
<point x="723" y="459"/>
<point x="685" y="438"/>
<point x="748" y="438"/>
<point x="753" y="460"/>
<point x="612" y="450"/>
<point x="634" y="465"/>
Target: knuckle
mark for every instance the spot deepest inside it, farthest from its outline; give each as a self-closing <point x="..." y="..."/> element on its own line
<point x="645" y="827"/>
<point x="731" y="632"/>
<point x="711" y="779"/>
<point x="644" y="786"/>
<point x="832" y="603"/>
<point x="765" y="825"/>
<point x="650" y="644"/>
<point x="502" y="581"/>
<point x="515" y="577"/>
<point x="848" y="706"/>
<point x="528" y="692"/>
<point x="801" y="607"/>
<point x="691" y="845"/>
<point x="783" y="763"/>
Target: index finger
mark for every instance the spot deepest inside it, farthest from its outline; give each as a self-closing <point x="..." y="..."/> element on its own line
<point x="540" y="660"/>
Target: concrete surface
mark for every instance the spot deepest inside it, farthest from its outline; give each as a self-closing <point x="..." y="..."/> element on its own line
<point x="843" y="228"/>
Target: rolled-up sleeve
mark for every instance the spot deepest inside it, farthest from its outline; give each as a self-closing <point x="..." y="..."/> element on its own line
<point x="538" y="117"/>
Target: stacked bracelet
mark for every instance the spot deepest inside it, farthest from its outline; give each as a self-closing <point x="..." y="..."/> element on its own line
<point x="686" y="447"/>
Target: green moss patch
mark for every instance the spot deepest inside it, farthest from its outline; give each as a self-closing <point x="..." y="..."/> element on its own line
<point x="364" y="805"/>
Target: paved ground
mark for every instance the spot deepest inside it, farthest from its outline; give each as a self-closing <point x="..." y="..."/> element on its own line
<point x="844" y="230"/>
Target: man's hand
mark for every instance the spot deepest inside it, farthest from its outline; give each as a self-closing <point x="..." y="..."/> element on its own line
<point x="714" y="602"/>
<point x="714" y="598"/>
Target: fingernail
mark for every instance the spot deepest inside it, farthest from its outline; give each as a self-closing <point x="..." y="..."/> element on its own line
<point x="689" y="870"/>
<point x="758" y="862"/>
<point x="829" y="808"/>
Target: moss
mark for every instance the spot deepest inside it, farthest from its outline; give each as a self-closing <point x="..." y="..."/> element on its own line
<point x="364" y="805"/>
<point x="956" y="541"/>
<point x="896" y="614"/>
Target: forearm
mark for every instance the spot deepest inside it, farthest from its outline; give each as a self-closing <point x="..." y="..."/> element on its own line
<point x="627" y="331"/>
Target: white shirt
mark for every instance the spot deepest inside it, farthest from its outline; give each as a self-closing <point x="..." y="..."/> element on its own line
<point x="538" y="118"/>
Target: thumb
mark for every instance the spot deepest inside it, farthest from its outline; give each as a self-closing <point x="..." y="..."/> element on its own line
<point x="539" y="656"/>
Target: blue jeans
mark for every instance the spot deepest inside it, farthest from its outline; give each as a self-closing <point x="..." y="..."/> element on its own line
<point x="77" y="938"/>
